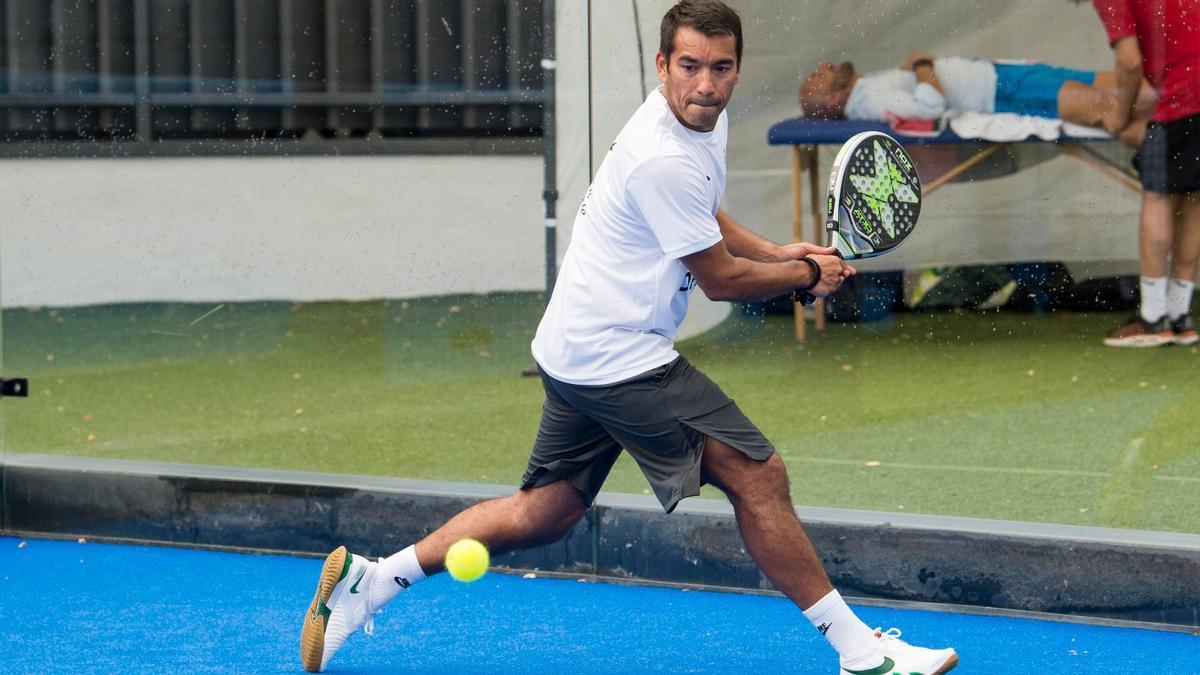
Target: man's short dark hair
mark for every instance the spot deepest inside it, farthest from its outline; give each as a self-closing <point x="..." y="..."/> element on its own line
<point x="710" y="17"/>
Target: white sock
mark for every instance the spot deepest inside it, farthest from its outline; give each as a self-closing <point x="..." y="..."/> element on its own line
<point x="1179" y="297"/>
<point x="1154" y="298"/>
<point x="844" y="631"/>
<point x="395" y="574"/>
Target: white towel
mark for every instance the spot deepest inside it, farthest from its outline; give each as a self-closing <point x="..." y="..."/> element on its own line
<point x="1011" y="127"/>
<point x="1005" y="127"/>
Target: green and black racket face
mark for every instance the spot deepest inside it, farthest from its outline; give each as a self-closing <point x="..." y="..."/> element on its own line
<point x="874" y="196"/>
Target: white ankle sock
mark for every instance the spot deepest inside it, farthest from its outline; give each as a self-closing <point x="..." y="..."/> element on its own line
<point x="844" y="631"/>
<point x="1179" y="297"/>
<point x="395" y="574"/>
<point x="1154" y="298"/>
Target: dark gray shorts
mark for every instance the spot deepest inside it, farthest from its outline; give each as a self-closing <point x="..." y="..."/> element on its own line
<point x="1169" y="161"/>
<point x="661" y="417"/>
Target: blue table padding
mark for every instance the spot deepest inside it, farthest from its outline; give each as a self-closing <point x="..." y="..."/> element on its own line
<point x="801" y="131"/>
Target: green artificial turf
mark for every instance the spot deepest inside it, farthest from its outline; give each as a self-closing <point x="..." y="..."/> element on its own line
<point x="997" y="415"/>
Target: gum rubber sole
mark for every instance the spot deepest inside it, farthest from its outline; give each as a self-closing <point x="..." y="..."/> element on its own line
<point x="1141" y="341"/>
<point x="312" y="637"/>
<point x="949" y="664"/>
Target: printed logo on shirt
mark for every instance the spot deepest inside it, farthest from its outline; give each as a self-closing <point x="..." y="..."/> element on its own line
<point x="689" y="282"/>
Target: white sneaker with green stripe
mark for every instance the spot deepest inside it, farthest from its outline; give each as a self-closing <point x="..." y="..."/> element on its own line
<point x="892" y="656"/>
<point x="341" y="605"/>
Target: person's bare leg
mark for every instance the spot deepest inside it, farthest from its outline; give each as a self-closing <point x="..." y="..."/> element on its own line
<point x="1186" y="245"/>
<point x="1090" y="106"/>
<point x="1156" y="234"/>
<point x="767" y="520"/>
<point x="1107" y="80"/>
<point x="1079" y="103"/>
<point x="525" y="519"/>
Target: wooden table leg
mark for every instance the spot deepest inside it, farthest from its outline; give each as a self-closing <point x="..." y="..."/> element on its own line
<point x="818" y="225"/>
<point x="798" y="161"/>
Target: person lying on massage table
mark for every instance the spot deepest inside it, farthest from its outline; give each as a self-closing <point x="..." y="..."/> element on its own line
<point x="924" y="87"/>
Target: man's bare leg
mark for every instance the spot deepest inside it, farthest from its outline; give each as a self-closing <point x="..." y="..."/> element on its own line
<point x="776" y="540"/>
<point x="1079" y="103"/>
<point x="525" y="519"/>
<point x="1107" y="80"/>
<point x="1089" y="106"/>
<point x="1185" y="250"/>
<point x="767" y="520"/>
<point x="1156" y="236"/>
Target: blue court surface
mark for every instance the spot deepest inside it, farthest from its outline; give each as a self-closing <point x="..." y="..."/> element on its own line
<point x="67" y="607"/>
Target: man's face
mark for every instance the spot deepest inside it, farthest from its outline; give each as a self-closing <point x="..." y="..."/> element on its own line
<point x="698" y="81"/>
<point x="827" y="86"/>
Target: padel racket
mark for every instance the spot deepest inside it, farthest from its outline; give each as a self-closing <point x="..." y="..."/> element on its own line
<point x="873" y="201"/>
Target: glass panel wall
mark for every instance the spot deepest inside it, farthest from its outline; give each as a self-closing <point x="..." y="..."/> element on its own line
<point x="294" y="234"/>
<point x="964" y="374"/>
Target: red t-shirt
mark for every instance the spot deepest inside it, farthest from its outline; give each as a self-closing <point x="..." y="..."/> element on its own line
<point x="1168" y="33"/>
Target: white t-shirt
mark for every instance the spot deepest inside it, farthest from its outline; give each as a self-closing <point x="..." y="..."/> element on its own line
<point x="622" y="292"/>
<point x="970" y="86"/>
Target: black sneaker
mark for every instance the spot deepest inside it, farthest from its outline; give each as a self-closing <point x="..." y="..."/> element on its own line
<point x="1185" y="330"/>
<point x="1140" y="333"/>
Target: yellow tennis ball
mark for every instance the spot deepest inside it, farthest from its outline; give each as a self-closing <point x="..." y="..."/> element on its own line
<point x="467" y="560"/>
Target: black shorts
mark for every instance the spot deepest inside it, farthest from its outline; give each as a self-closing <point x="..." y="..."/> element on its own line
<point x="1169" y="160"/>
<point x="661" y="417"/>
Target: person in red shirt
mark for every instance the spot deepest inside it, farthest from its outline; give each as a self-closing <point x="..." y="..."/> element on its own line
<point x="1160" y="40"/>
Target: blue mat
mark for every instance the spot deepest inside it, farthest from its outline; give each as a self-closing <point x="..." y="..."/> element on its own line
<point x="69" y="607"/>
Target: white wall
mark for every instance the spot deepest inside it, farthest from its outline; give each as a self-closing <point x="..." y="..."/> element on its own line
<point x="86" y="231"/>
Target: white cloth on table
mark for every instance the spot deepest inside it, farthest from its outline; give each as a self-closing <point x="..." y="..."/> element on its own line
<point x="1011" y="127"/>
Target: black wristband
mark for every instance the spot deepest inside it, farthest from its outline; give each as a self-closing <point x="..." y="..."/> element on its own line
<point x="816" y="272"/>
<point x="922" y="62"/>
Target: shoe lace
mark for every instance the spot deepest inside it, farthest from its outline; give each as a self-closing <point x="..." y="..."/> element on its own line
<point x="889" y="635"/>
<point x="886" y="638"/>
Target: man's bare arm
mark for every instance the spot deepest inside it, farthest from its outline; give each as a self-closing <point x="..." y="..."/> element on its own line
<point x="907" y="63"/>
<point x="1128" y="58"/>
<point x="743" y="243"/>
<point x="925" y="73"/>
<point x="724" y="276"/>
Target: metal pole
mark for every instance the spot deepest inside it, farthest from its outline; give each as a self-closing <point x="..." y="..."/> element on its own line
<point x="550" y="191"/>
<point x="141" y="68"/>
<point x="549" y="182"/>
